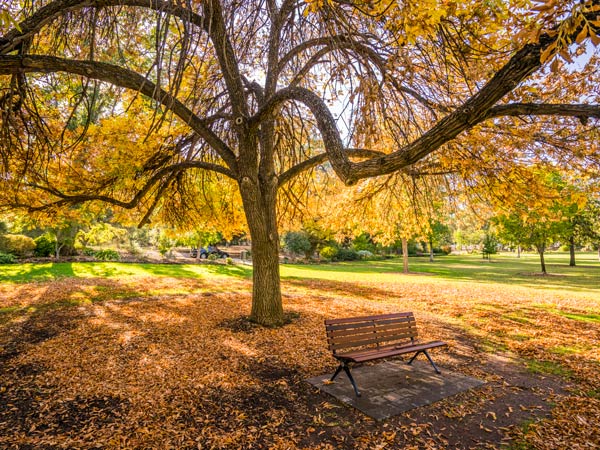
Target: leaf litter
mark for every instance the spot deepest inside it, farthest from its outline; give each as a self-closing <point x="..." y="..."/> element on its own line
<point x="149" y="362"/>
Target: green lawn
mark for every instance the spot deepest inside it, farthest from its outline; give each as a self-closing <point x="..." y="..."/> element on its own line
<point x="24" y="273"/>
<point x="501" y="269"/>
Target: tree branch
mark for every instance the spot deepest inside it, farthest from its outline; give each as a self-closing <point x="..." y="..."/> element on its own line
<point x="320" y="159"/>
<point x="66" y="199"/>
<point x="51" y="11"/>
<point x="341" y="42"/>
<point x="226" y="56"/>
<point x="325" y="122"/>
<point x="119" y="77"/>
<point x="581" y="111"/>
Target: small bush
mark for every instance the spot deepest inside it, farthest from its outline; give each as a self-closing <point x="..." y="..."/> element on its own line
<point x="107" y="255"/>
<point x="17" y="244"/>
<point x="446" y="249"/>
<point x="365" y="254"/>
<point x="413" y="248"/>
<point x="44" y="246"/>
<point x="7" y="258"/>
<point x="229" y="261"/>
<point x="88" y="252"/>
<point x="297" y="242"/>
<point x="347" y="254"/>
<point x="329" y="252"/>
<point x="213" y="257"/>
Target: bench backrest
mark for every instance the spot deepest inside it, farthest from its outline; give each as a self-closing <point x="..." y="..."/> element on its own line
<point x="370" y="331"/>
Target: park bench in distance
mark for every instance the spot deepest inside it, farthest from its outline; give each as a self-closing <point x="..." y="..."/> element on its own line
<point x="361" y="339"/>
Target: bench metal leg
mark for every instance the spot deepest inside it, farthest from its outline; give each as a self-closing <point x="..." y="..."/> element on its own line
<point x="428" y="357"/>
<point x="337" y="372"/>
<point x="413" y="358"/>
<point x="343" y="366"/>
<point x="347" y="370"/>
<point x="431" y="361"/>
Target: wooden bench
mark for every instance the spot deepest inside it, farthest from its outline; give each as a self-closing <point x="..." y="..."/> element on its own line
<point x="361" y="339"/>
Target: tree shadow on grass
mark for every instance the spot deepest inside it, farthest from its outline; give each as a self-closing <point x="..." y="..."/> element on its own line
<point x="52" y="271"/>
<point x="238" y="271"/>
<point x="38" y="272"/>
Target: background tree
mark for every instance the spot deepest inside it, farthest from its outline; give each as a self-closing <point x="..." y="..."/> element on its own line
<point x="237" y="95"/>
<point x="437" y="234"/>
<point x="587" y="224"/>
<point x="541" y="212"/>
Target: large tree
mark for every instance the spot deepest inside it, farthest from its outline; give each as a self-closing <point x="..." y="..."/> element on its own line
<point x="258" y="92"/>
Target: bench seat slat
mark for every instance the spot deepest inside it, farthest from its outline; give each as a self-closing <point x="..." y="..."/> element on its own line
<point x="371" y="332"/>
<point x="340" y="332"/>
<point x="368" y="318"/>
<point x="382" y="352"/>
<point x="359" y="341"/>
<point x="339" y="346"/>
<point x="368" y="323"/>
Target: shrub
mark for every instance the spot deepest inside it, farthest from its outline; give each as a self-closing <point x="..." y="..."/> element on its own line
<point x="297" y="242"/>
<point x="229" y="261"/>
<point x="7" y="258"/>
<point x="213" y="257"/>
<point x="364" y="254"/>
<point x="446" y="249"/>
<point x="413" y="248"/>
<point x="329" y="252"/>
<point x="490" y="244"/>
<point x="88" y="252"/>
<point x="363" y="242"/>
<point x="107" y="255"/>
<point x="347" y="254"/>
<point x="17" y="244"/>
<point x="165" y="244"/>
<point x="44" y="246"/>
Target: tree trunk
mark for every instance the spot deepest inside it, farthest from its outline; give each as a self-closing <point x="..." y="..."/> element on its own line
<point x="260" y="209"/>
<point x="572" y="251"/>
<point x="430" y="251"/>
<point x="541" y="248"/>
<point x="57" y="248"/>
<point x="405" y="255"/>
<point x="518" y="251"/>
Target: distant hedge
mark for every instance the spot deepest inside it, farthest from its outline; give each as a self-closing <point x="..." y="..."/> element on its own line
<point x="17" y="244"/>
<point x="7" y="258"/>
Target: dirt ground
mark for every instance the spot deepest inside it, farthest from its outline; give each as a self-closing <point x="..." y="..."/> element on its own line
<point x="173" y="363"/>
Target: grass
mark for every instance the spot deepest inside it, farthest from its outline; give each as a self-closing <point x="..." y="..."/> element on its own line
<point x="547" y="368"/>
<point x="583" y="317"/>
<point x="503" y="268"/>
<point x="24" y="273"/>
